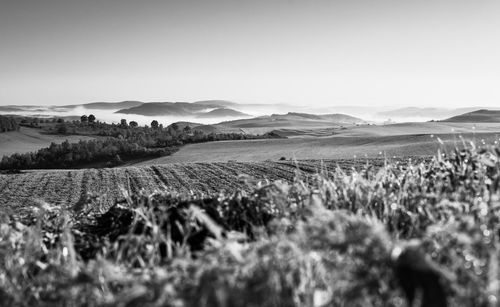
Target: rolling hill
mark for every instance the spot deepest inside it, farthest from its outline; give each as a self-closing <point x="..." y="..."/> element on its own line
<point x="435" y="113"/>
<point x="479" y="116"/>
<point x="30" y="139"/>
<point x="296" y="121"/>
<point x="70" y="187"/>
<point x="222" y="112"/>
<point x="197" y="127"/>
<point x="336" y="118"/>
<point x="286" y="125"/>
<point x="169" y="109"/>
<point x="10" y="109"/>
<point x="165" y="108"/>
<point x="332" y="147"/>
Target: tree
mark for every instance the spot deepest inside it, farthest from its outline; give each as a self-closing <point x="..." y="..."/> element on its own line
<point x="123" y="122"/>
<point x="175" y="126"/>
<point x="187" y="129"/>
<point x="91" y="118"/>
<point x="133" y="124"/>
<point x="62" y="128"/>
<point x="84" y="119"/>
<point x="154" y="124"/>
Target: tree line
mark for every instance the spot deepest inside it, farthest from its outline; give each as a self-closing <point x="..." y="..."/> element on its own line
<point x="118" y="144"/>
<point x="8" y="124"/>
<point x="155" y="135"/>
<point x="108" y="152"/>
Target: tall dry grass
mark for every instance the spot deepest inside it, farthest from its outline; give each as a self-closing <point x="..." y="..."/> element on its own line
<point x="367" y="238"/>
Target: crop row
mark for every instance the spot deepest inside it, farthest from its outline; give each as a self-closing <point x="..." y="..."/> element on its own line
<point x="68" y="187"/>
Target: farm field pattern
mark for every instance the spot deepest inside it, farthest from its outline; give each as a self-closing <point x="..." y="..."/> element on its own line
<point x="69" y="187"/>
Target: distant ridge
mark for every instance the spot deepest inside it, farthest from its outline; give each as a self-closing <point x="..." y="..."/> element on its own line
<point x="223" y="112"/>
<point x="337" y="117"/>
<point x="479" y="116"/>
<point x="112" y="105"/>
<point x="10" y="109"/>
<point x="103" y="105"/>
<point x="167" y="108"/>
<point x="292" y="119"/>
<point x="200" y="109"/>
<point x="434" y="113"/>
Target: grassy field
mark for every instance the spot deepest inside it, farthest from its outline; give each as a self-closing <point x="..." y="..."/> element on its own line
<point x="30" y="139"/>
<point x="343" y="146"/>
<point x="426" y="234"/>
<point x="419" y="128"/>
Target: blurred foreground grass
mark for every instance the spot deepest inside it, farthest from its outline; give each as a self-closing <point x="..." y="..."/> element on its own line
<point x="426" y="233"/>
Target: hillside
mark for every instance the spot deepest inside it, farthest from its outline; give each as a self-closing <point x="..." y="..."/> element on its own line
<point x="222" y="112"/>
<point x="331" y="147"/>
<point x="8" y="124"/>
<point x="337" y="118"/>
<point x="196" y="127"/>
<point x="390" y="231"/>
<point x="167" y="109"/>
<point x="10" y="109"/>
<point x="291" y="120"/>
<point x="479" y="116"/>
<point x="435" y="113"/>
<point x="30" y="139"/>
<point x="69" y="187"/>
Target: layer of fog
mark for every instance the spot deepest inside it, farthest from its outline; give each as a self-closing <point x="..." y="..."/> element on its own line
<point x="109" y="116"/>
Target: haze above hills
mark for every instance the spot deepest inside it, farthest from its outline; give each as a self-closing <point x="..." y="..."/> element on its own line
<point x="334" y="129"/>
<point x="215" y="111"/>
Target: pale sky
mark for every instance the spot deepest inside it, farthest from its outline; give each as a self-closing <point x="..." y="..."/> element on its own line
<point x="312" y="52"/>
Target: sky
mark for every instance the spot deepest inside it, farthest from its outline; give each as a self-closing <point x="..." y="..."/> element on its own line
<point x="442" y="53"/>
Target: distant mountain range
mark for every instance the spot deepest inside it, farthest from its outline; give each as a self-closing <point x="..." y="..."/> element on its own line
<point x="165" y="108"/>
<point x="13" y="108"/>
<point x="434" y="113"/>
<point x="206" y="109"/>
<point x="479" y="116"/>
<point x="201" y="109"/>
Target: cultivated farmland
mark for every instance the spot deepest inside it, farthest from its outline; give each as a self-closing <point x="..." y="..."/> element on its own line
<point x="70" y="187"/>
<point x="427" y="227"/>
